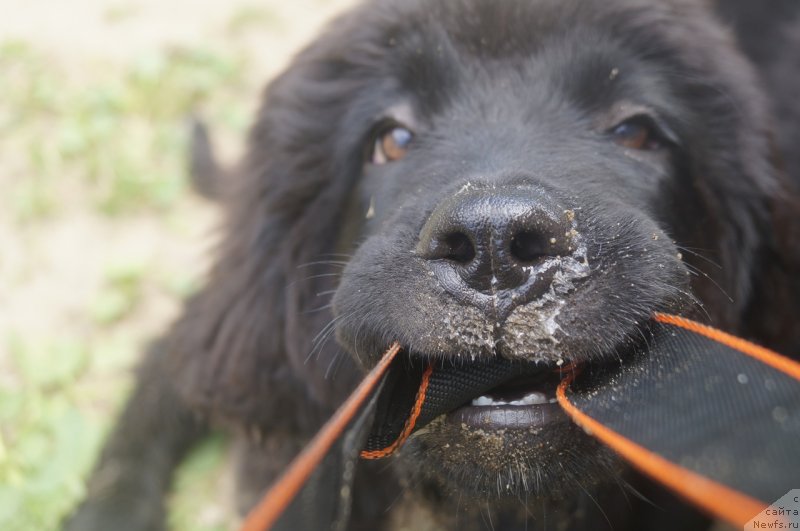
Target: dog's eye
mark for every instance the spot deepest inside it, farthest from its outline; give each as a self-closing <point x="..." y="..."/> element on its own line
<point x="391" y="144"/>
<point x="639" y="132"/>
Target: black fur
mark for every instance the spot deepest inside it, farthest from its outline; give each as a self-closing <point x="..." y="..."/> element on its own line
<point x="502" y="95"/>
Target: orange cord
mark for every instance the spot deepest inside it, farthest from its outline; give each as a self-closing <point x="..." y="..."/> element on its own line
<point x="277" y="499"/>
<point x="771" y="358"/>
<point x="410" y="422"/>
<point x="719" y="500"/>
<point x="722" y="502"/>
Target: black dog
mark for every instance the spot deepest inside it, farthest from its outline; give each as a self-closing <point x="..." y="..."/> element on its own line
<point x="528" y="179"/>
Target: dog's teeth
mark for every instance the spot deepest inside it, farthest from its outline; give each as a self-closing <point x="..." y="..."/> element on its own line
<point x="486" y="401"/>
<point x="531" y="399"/>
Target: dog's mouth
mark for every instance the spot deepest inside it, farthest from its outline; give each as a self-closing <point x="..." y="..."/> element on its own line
<point x="526" y="401"/>
<point x="491" y="395"/>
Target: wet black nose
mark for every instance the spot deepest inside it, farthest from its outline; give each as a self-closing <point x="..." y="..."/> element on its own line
<point x="494" y="240"/>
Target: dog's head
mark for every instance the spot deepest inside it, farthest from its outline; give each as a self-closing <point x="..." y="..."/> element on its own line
<point x="479" y="180"/>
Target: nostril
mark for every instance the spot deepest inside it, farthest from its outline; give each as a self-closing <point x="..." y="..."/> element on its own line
<point x="527" y="247"/>
<point x="457" y="247"/>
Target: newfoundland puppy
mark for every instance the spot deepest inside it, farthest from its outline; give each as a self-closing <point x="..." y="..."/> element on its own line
<point x="522" y="179"/>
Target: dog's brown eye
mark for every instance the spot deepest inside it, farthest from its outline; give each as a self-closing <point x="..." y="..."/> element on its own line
<point x="391" y="145"/>
<point x="639" y="133"/>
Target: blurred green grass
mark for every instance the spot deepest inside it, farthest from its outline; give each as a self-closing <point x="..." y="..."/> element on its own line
<point x="112" y="144"/>
<point x="118" y="140"/>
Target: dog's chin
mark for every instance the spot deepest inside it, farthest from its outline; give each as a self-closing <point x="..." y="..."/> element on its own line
<point x="551" y="460"/>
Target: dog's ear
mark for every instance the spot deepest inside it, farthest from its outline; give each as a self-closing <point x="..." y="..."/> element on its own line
<point x="771" y="315"/>
<point x="776" y="302"/>
<point x="245" y="347"/>
<point x="749" y="230"/>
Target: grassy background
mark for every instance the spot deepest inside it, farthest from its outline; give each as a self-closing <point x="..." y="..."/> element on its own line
<point x="101" y="236"/>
